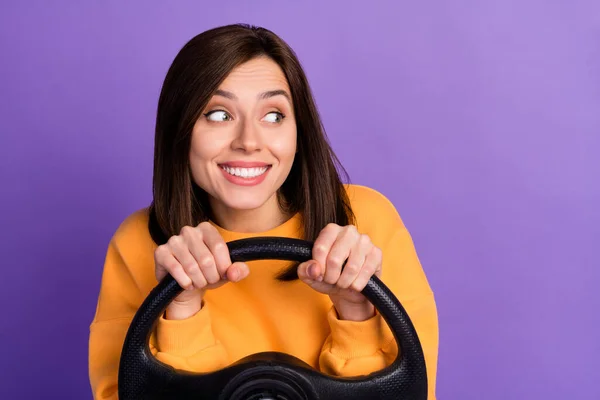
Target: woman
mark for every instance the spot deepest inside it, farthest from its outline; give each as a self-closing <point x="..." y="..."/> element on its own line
<point x="240" y="152"/>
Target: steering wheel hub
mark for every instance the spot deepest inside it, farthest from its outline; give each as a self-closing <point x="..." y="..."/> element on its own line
<point x="266" y="388"/>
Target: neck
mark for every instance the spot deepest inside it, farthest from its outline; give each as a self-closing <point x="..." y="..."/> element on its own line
<point x="262" y="219"/>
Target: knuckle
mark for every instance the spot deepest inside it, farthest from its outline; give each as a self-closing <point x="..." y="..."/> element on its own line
<point x="377" y="252"/>
<point x="220" y="246"/>
<point x="206" y="262"/>
<point x="331" y="227"/>
<point x="205" y="226"/>
<point x="172" y="267"/>
<point x="334" y="260"/>
<point x="319" y="250"/>
<point x="161" y="251"/>
<point x="353" y="268"/>
<point x="174" y="241"/>
<point x="364" y="239"/>
<point x="187" y="231"/>
<point x="189" y="267"/>
<point x="351" y="229"/>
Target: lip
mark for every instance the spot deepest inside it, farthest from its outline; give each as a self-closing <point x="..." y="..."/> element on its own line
<point x="244" y="164"/>
<point x="240" y="181"/>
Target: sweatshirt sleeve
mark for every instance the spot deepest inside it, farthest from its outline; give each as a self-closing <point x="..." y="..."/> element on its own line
<point x="127" y="278"/>
<point x="357" y="348"/>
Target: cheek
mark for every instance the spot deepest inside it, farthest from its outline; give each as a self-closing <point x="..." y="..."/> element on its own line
<point x="205" y="145"/>
<point x="284" y="147"/>
<point x="203" y="149"/>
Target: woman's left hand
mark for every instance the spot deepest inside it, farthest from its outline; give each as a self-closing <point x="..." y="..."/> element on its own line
<point x="334" y="245"/>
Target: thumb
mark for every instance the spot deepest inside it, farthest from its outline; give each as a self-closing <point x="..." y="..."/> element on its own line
<point x="237" y="271"/>
<point x="310" y="272"/>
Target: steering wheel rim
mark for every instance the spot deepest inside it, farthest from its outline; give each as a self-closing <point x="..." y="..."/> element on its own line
<point x="141" y="376"/>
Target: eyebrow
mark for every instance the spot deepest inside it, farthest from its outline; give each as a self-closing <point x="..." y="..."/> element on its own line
<point x="273" y="93"/>
<point x="263" y="96"/>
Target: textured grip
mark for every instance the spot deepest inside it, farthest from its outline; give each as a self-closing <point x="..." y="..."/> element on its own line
<point x="141" y="376"/>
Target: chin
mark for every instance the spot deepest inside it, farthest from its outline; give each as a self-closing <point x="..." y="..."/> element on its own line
<point x="244" y="201"/>
<point x="244" y="205"/>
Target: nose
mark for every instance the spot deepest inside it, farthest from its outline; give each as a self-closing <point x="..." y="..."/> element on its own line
<point x="248" y="137"/>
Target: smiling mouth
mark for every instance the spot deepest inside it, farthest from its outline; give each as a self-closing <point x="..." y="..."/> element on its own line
<point x="248" y="173"/>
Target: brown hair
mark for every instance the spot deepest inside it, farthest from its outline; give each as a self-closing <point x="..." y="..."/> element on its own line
<point x="313" y="187"/>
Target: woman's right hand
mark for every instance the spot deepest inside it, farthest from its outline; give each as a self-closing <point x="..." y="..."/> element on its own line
<point x="198" y="259"/>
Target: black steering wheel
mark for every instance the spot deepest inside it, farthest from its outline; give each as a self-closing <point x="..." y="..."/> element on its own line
<point x="269" y="375"/>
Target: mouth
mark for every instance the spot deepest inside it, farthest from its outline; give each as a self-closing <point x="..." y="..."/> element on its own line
<point x="245" y="172"/>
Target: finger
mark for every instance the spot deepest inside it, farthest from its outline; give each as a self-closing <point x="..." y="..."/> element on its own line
<point x="370" y="267"/>
<point x="169" y="264"/>
<point x="323" y="243"/>
<point x="207" y="264"/>
<point x="217" y="247"/>
<point x="180" y="250"/>
<point x="194" y="242"/>
<point x="191" y="267"/>
<point x="355" y="262"/>
<point x="160" y="255"/>
<point x="339" y="253"/>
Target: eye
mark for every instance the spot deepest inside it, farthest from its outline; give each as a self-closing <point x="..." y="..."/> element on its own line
<point x="218" y="116"/>
<point x="274" y="117"/>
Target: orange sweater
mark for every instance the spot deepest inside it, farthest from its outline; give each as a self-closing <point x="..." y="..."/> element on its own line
<point x="261" y="313"/>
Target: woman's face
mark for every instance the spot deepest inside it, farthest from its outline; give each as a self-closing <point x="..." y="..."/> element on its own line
<point x="244" y="142"/>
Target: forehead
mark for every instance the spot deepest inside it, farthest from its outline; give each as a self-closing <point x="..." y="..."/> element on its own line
<point x="256" y="75"/>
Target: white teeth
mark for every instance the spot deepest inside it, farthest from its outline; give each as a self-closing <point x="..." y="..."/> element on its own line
<point x="245" y="172"/>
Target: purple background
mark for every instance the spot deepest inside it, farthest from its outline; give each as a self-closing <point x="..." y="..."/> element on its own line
<point x="480" y="120"/>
